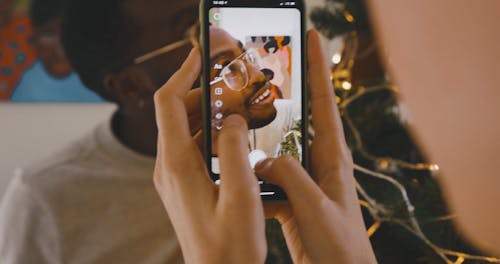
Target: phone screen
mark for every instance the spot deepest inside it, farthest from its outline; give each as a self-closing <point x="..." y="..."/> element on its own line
<point x="254" y="68"/>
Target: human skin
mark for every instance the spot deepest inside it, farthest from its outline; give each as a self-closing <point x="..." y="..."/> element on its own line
<point x="322" y="223"/>
<point x="213" y="225"/>
<point x="223" y="50"/>
<point x="157" y="23"/>
<point x="445" y="60"/>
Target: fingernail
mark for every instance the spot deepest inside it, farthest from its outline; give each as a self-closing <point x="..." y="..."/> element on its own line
<point x="263" y="165"/>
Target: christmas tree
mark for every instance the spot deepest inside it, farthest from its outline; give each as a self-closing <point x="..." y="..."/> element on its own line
<point x="406" y="216"/>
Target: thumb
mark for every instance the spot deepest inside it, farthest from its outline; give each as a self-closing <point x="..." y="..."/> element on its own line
<point x="288" y="173"/>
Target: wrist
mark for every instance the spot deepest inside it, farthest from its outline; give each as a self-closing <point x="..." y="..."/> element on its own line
<point x="211" y="255"/>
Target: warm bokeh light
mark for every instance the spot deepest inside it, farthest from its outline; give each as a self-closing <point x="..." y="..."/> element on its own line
<point x="336" y="58"/>
<point x="346" y="85"/>
<point x="434" y="167"/>
<point x="348" y="17"/>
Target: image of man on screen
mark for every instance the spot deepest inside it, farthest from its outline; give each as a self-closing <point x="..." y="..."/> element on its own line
<point x="239" y="85"/>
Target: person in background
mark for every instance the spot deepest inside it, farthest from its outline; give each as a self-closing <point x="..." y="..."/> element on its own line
<point x="50" y="78"/>
<point x="94" y="201"/>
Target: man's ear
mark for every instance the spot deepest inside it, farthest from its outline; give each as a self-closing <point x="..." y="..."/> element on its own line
<point x="130" y="84"/>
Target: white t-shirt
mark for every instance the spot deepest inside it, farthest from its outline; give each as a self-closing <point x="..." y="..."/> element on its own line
<point x="93" y="202"/>
<point x="269" y="137"/>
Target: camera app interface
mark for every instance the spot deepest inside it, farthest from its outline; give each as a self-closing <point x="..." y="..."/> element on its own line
<point x="255" y="60"/>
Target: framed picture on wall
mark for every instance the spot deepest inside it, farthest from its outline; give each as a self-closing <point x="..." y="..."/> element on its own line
<point x="33" y="66"/>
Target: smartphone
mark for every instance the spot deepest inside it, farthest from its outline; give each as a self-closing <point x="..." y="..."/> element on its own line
<point x="254" y="66"/>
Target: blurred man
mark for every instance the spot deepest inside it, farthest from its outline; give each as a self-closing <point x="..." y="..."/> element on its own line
<point x="94" y="202"/>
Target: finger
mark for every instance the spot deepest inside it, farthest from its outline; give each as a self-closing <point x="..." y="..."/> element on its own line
<point x="237" y="178"/>
<point x="279" y="210"/>
<point x="325" y="114"/>
<point x="192" y="100"/>
<point x="179" y="162"/>
<point x="331" y="158"/>
<point x="171" y="115"/>
<point x="286" y="172"/>
<point x="195" y="123"/>
<point x="198" y="139"/>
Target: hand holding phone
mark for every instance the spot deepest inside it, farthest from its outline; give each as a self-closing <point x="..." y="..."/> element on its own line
<point x="226" y="224"/>
<point x="322" y="220"/>
<point x="222" y="224"/>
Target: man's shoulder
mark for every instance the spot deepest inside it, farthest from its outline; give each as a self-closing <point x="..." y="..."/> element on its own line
<point x="67" y="164"/>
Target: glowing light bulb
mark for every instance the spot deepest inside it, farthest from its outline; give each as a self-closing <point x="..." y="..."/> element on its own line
<point x="336" y="58"/>
<point x="460" y="260"/>
<point x="348" y="17"/>
<point x="383" y="164"/>
<point x="346" y="85"/>
<point x="434" y="167"/>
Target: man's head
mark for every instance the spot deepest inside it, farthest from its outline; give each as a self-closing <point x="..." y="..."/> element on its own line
<point x="240" y="87"/>
<point x="46" y="18"/>
<point x="102" y="37"/>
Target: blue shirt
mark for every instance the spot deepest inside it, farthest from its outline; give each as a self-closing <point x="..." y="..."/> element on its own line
<point x="37" y="85"/>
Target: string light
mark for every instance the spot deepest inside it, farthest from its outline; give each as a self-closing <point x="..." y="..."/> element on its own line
<point x="373" y="228"/>
<point x="382" y="162"/>
<point x="460" y="260"/>
<point x="336" y="58"/>
<point x="346" y="85"/>
<point x="348" y="16"/>
<point x="434" y="167"/>
<point x="381" y="213"/>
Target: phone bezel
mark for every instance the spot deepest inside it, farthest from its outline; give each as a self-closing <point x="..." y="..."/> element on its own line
<point x="205" y="6"/>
